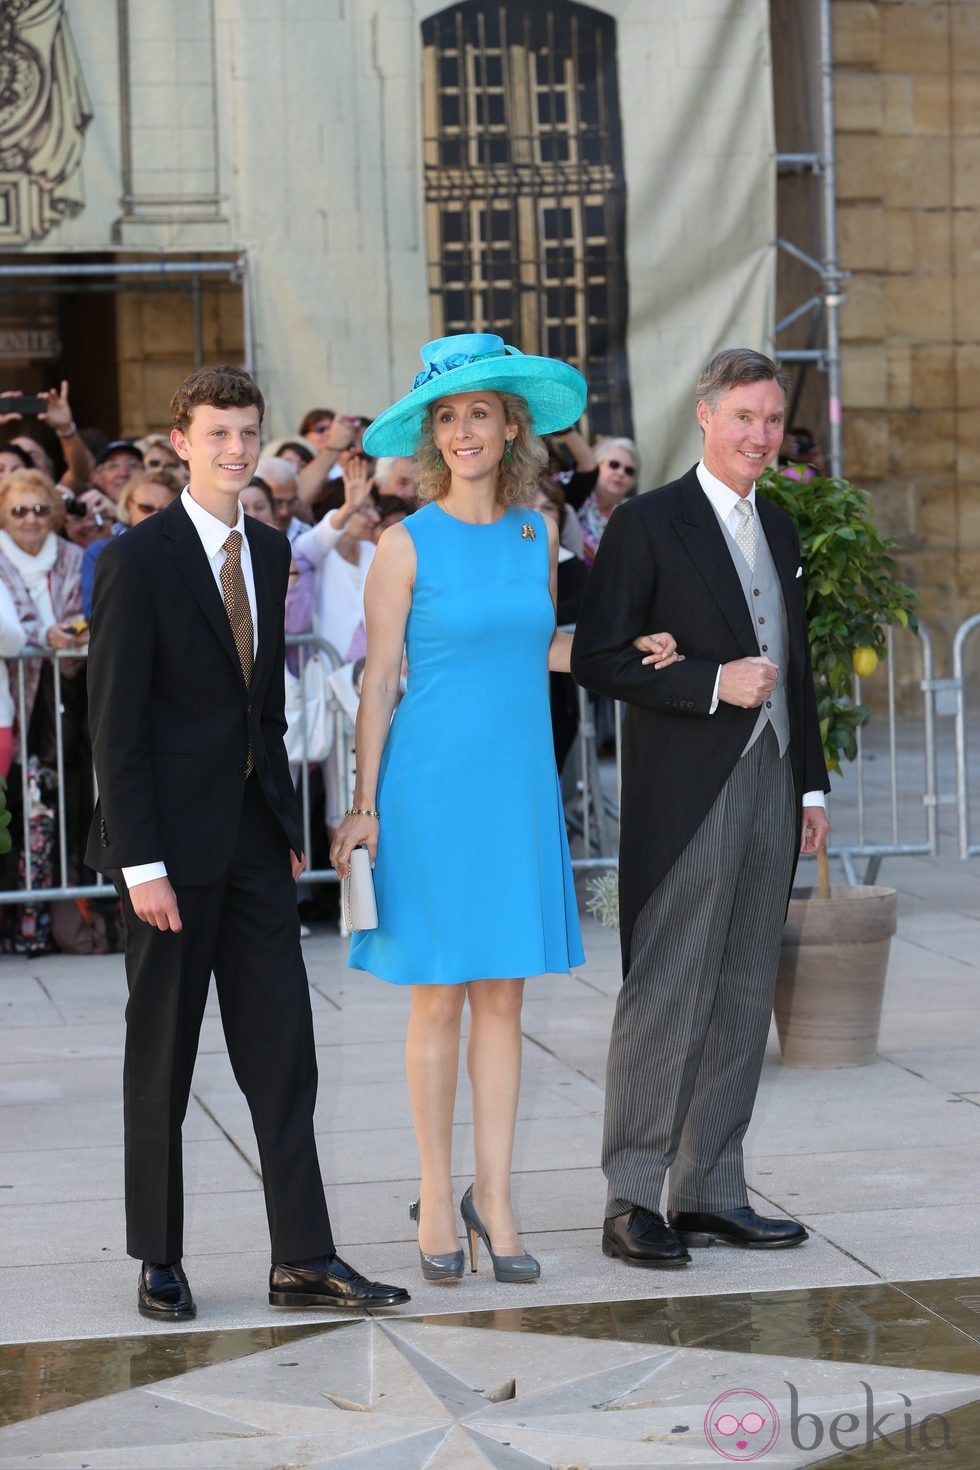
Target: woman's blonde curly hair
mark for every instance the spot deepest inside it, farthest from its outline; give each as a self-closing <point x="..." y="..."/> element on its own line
<point x="35" y="482"/>
<point x="517" y="483"/>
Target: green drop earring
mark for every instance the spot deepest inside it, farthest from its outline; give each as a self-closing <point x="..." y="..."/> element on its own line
<point x="508" y="452"/>
<point x="438" y="459"/>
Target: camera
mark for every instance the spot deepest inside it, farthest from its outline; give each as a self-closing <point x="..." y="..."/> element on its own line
<point x="76" y="507"/>
<point x="22" y="403"/>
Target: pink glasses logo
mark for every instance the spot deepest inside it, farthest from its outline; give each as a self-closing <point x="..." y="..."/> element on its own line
<point x="741" y="1425"/>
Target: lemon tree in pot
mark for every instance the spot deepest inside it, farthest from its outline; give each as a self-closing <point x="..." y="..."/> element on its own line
<point x="834" y="958"/>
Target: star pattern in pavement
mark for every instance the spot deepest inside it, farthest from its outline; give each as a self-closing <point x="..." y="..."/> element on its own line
<point x="400" y="1395"/>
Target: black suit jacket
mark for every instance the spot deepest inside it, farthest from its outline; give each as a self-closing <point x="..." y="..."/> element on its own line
<point x="663" y="565"/>
<point x="170" y="714"/>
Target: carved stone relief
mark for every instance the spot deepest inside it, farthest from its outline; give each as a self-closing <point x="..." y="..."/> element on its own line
<point x="44" y="111"/>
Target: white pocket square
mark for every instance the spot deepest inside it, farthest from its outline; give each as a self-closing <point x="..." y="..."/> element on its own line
<point x="799" y="571"/>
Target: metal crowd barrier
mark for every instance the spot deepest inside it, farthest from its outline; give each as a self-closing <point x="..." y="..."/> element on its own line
<point x="591" y="805"/>
<point x="308" y="645"/>
<point x="874" y="827"/>
<point x="958" y="692"/>
<point x="871" y="842"/>
<point x="343" y="731"/>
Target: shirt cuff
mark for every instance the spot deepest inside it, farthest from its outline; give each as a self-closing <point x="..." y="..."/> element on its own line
<point x="714" y="692"/>
<point x="814" y="798"/>
<point x="143" y="873"/>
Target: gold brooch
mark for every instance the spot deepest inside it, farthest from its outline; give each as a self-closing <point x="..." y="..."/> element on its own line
<point x="528" y="532"/>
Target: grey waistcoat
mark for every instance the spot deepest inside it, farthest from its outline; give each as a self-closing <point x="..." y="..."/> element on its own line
<point x="764" y="598"/>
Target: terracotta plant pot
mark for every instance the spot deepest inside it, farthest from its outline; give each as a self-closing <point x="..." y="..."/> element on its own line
<point x="831" y="978"/>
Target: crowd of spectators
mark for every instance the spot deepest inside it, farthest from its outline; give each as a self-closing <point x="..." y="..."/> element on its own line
<point x="65" y="491"/>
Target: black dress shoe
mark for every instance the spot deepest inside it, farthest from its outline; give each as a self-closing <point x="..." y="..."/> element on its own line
<point x="736" y="1227"/>
<point x="329" y="1282"/>
<point x="164" y="1293"/>
<point x="640" y="1238"/>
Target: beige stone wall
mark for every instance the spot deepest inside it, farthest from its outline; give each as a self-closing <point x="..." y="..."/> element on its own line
<point x="155" y="334"/>
<point x="907" y="93"/>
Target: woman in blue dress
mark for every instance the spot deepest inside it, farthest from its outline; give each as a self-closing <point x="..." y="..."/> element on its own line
<point x="456" y="794"/>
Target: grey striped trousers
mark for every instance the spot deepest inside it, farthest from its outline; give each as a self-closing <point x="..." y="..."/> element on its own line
<point x="693" y="1014"/>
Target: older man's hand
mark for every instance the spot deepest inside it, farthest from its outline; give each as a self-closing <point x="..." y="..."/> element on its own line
<point x="747" y="682"/>
<point x="816" y="830"/>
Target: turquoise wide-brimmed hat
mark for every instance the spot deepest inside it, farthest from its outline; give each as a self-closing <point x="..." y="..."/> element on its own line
<point x="554" y="391"/>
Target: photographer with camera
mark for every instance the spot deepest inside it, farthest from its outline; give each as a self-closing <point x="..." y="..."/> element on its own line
<point x="90" y="514"/>
<point x="800" y="456"/>
<point x="115" y="465"/>
<point x="51" y="407"/>
<point x="340" y="444"/>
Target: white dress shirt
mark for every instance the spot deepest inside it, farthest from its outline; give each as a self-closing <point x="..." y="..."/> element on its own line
<point x="213" y="534"/>
<point x="723" y="502"/>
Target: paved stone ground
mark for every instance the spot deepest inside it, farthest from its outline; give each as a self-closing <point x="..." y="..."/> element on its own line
<point x="881" y="1161"/>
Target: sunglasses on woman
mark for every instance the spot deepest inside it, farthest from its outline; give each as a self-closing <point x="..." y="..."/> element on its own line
<point x="617" y="464"/>
<point x="20" y="511"/>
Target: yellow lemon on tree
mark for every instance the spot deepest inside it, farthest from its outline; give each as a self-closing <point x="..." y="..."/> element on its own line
<point x="864" y="661"/>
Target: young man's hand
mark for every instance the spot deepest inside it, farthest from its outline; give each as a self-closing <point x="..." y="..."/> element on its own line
<point x="156" y="903"/>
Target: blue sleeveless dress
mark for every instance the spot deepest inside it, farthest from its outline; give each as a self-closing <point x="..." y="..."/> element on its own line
<point x="473" y="878"/>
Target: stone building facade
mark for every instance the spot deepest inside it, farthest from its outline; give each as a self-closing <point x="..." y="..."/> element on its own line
<point x="907" y="88"/>
<point x="595" y="180"/>
<point x="393" y="169"/>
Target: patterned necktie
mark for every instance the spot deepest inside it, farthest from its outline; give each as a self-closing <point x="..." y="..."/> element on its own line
<point x="747" y="533"/>
<point x="239" y="613"/>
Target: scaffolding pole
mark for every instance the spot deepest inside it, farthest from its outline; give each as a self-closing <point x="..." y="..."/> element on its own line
<point x="159" y="270"/>
<point x="824" y="306"/>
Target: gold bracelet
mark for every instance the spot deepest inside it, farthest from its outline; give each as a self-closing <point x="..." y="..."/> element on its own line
<point x="362" y="811"/>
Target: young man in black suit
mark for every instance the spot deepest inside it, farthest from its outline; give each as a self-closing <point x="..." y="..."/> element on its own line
<point x="723" y="786"/>
<point x="198" y="826"/>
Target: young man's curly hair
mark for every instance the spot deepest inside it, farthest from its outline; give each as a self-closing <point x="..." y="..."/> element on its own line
<point x="218" y="387"/>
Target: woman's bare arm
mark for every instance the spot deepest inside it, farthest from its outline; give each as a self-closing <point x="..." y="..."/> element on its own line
<point x="387" y="600"/>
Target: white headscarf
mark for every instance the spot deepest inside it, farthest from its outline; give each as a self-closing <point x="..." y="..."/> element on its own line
<point x="34" y="571"/>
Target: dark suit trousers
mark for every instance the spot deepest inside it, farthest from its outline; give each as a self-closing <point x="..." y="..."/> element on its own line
<point x="693" y="1015"/>
<point x="245" y="930"/>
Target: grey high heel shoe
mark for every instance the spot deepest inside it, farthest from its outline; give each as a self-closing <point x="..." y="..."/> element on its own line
<point x="437" y="1268"/>
<point x="505" y="1268"/>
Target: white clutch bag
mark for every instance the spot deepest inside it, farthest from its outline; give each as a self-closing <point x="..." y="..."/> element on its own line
<point x="357" y="898"/>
